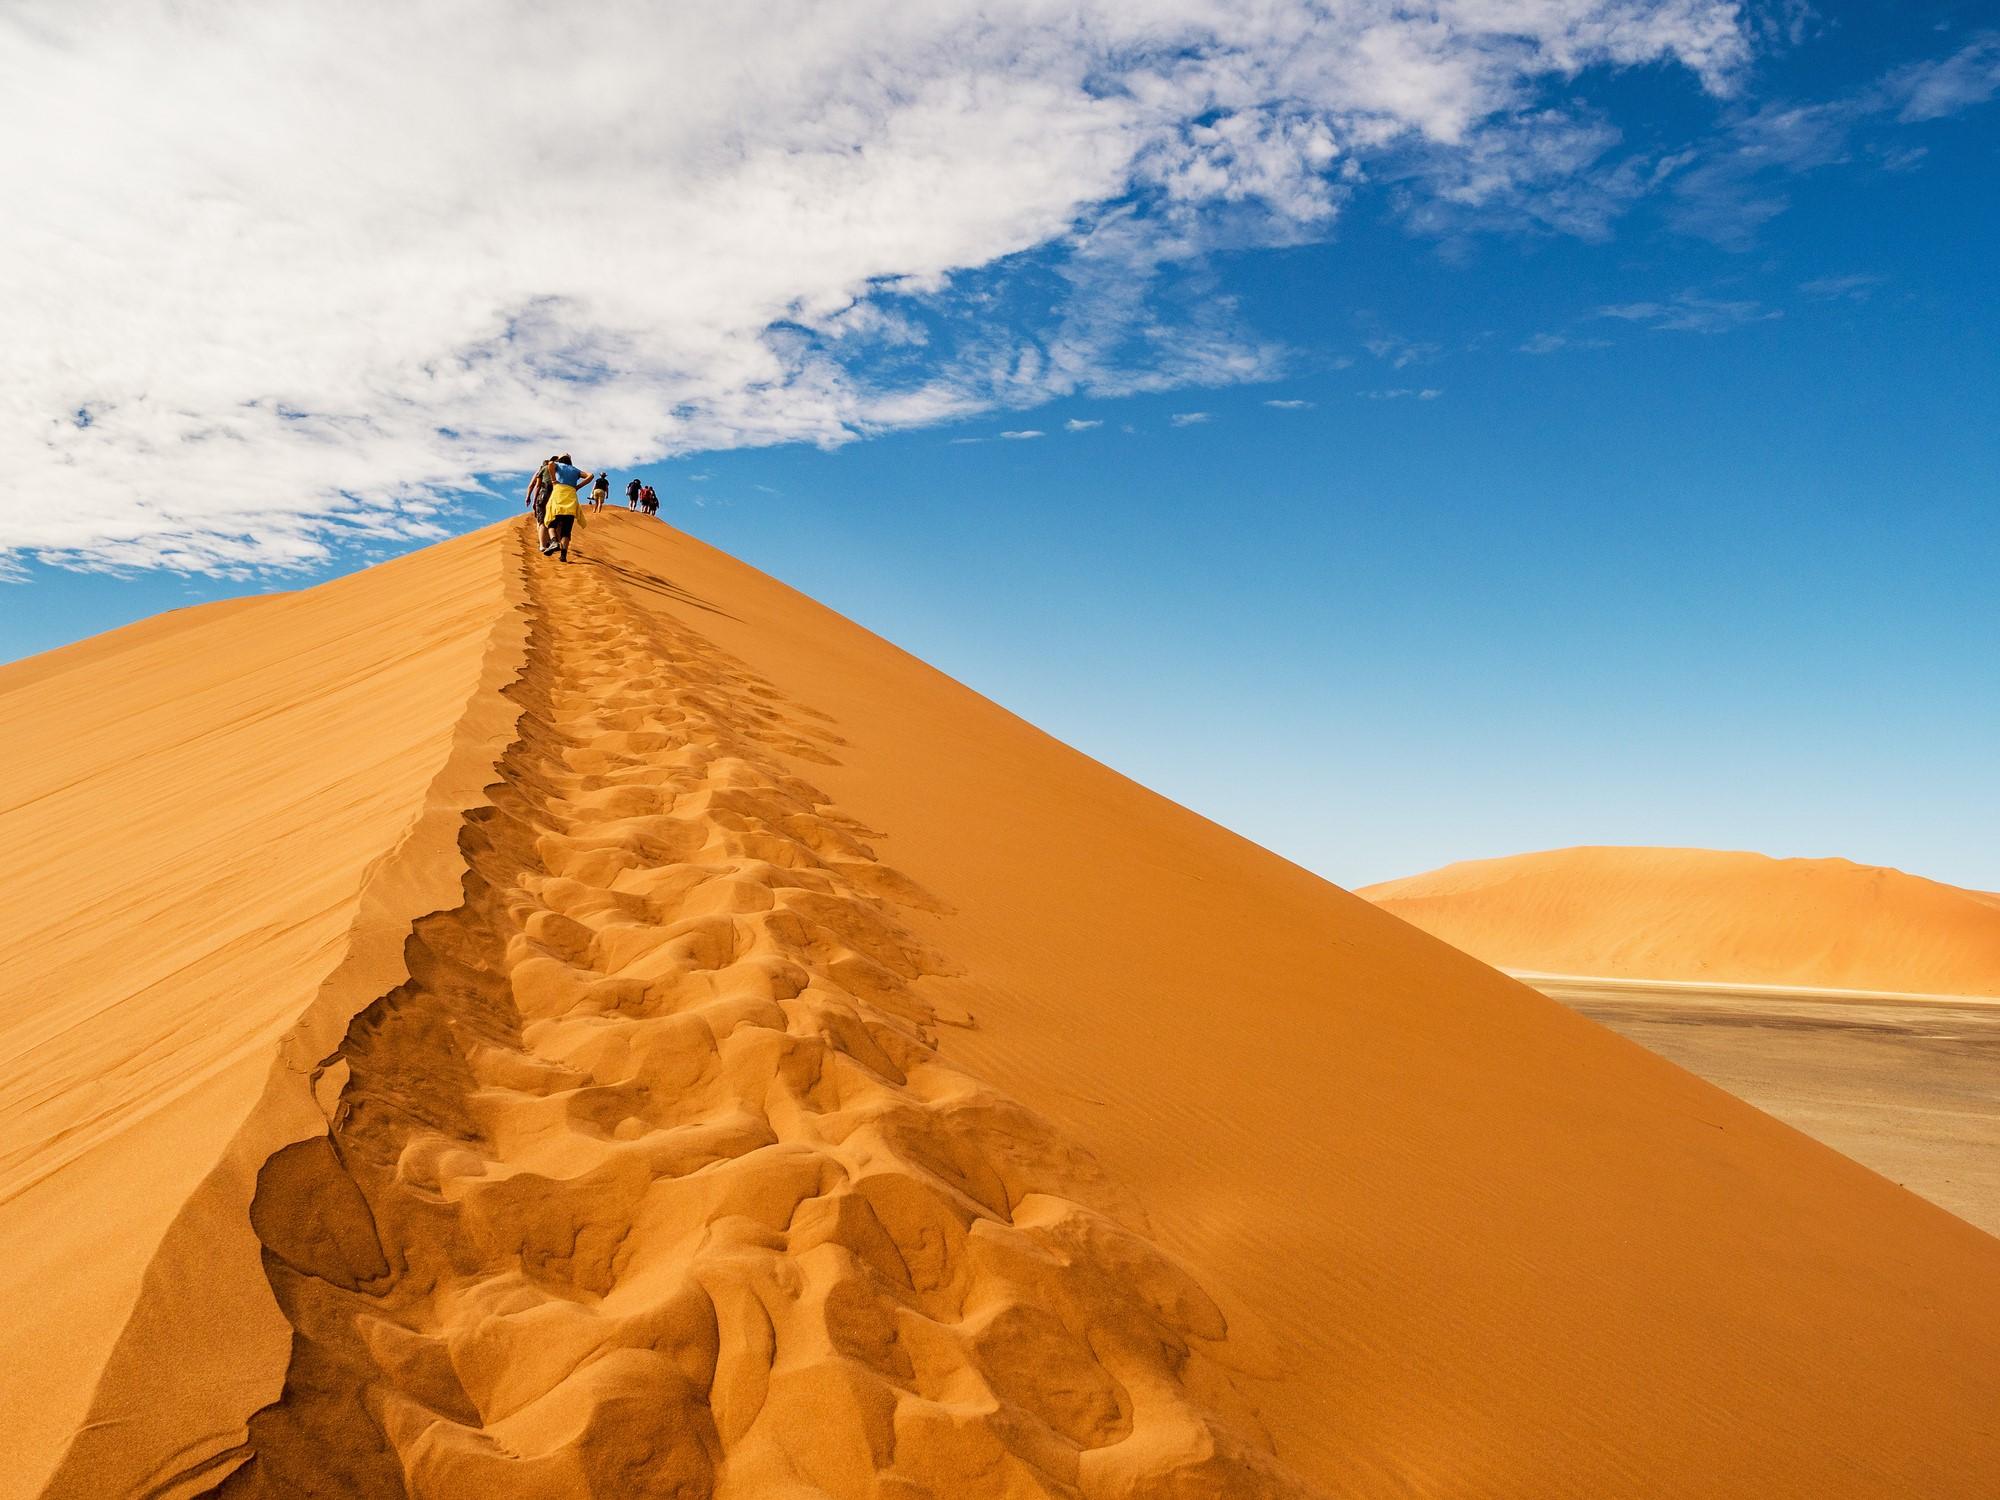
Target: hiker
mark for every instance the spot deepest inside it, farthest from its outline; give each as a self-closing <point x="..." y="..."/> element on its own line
<point x="632" y="495"/>
<point x="600" y="491"/>
<point x="650" y="501"/>
<point x="562" y="507"/>
<point x="538" y="491"/>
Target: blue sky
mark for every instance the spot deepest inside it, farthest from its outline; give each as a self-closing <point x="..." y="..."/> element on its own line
<point x="1635" y="477"/>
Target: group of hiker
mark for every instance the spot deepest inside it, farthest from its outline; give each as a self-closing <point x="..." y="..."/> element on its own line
<point x="553" y="497"/>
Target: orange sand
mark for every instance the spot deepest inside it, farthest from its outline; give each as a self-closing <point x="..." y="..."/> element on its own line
<point x="1704" y="914"/>
<point x="802" y="1078"/>
<point x="199" y="830"/>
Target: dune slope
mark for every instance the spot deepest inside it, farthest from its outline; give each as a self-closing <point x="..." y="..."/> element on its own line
<point x="819" y="1082"/>
<point x="1704" y="914"/>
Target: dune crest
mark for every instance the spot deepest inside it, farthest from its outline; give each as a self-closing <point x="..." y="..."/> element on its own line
<point x="1706" y="914"/>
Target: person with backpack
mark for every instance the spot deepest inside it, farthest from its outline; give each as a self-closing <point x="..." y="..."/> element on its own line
<point x="649" y="501"/>
<point x="538" y="492"/>
<point x="600" y="491"/>
<point x="632" y="495"/>
<point x="562" y="507"/>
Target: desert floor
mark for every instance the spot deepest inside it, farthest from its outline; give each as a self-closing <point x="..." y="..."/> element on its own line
<point x="1906" y="1084"/>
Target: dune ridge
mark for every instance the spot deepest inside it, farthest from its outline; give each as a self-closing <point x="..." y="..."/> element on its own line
<point x="1705" y="914"/>
<point x="650" y="1182"/>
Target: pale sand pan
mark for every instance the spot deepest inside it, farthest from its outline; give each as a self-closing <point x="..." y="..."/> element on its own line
<point x="1906" y="1084"/>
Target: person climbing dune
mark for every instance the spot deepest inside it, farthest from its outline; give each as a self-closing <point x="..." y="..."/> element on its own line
<point x="600" y="491"/>
<point x="538" y="491"/>
<point x="632" y="495"/>
<point x="562" y="507"/>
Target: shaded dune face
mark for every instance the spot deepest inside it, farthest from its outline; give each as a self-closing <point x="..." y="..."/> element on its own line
<point x="650" y="1182"/>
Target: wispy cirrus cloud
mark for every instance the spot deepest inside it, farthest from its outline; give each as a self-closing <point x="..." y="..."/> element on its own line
<point x="1741" y="181"/>
<point x="1291" y="404"/>
<point x="1082" y="424"/>
<point x="1689" y="312"/>
<point x="1554" y="343"/>
<point x="1400" y="353"/>
<point x="1190" y="418"/>
<point x="1934" y="88"/>
<point x="1850" y="288"/>
<point x="282" y="276"/>
<point x="1573" y="171"/>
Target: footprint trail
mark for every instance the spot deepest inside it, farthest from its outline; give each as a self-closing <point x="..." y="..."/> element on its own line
<point x="651" y="1182"/>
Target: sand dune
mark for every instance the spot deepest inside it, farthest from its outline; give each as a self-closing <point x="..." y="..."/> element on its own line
<point x="1709" y="915"/>
<point x="794" y="1076"/>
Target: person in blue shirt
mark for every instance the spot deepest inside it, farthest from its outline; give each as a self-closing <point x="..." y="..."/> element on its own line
<point x="562" y="508"/>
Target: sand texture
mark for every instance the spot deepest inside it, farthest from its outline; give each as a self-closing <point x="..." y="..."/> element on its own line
<point x="1709" y="915"/>
<point x="803" y="1079"/>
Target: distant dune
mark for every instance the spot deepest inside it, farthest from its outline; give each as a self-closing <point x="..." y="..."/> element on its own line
<point x="482" y="1028"/>
<point x="1705" y="914"/>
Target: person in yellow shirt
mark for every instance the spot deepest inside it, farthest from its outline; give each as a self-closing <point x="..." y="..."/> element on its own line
<point x="562" y="508"/>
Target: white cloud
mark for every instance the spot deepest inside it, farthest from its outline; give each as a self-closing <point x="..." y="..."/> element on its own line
<point x="1932" y="90"/>
<point x="1402" y="393"/>
<point x="1291" y="405"/>
<point x="1854" y="288"/>
<point x="1400" y="352"/>
<point x="1023" y="434"/>
<point x="1080" y="424"/>
<point x="1739" y="182"/>
<point x="1544" y="170"/>
<point x="1551" y="343"/>
<point x="283" y="274"/>
<point x="1691" y="313"/>
<point x="1191" y="418"/>
<point x="1733" y="191"/>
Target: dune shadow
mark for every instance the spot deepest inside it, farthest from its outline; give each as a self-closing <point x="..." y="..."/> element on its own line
<point x="653" y="583"/>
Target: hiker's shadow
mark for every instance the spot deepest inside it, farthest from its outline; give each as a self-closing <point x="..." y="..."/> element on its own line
<point x="653" y="583"/>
